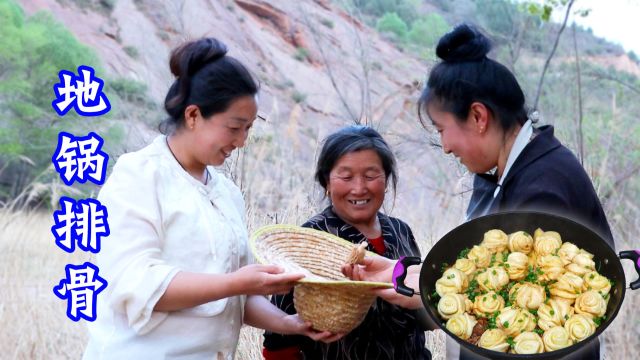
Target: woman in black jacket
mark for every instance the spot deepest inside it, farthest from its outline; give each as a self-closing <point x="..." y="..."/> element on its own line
<point x="478" y="108"/>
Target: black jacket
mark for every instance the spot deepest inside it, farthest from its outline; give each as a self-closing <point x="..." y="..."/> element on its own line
<point x="546" y="177"/>
<point x="388" y="331"/>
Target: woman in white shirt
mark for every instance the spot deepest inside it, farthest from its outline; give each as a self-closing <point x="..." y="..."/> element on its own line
<point x="180" y="278"/>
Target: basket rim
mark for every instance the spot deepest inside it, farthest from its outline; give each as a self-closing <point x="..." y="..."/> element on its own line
<point x="294" y="228"/>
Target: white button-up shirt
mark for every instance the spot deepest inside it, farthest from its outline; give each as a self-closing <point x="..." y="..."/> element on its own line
<point x="162" y="221"/>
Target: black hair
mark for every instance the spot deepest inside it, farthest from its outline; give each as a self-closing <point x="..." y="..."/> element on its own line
<point x="351" y="139"/>
<point x="466" y="75"/>
<point x="207" y="77"/>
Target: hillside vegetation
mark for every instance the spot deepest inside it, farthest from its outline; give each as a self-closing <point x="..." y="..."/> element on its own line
<point x="322" y="65"/>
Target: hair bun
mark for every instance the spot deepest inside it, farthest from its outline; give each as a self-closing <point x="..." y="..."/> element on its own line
<point x="464" y="43"/>
<point x="187" y="59"/>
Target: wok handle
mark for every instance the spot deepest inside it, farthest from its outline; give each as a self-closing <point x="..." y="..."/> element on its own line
<point x="400" y="273"/>
<point x="633" y="255"/>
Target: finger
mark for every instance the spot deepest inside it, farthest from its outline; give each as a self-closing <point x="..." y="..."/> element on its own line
<point x="270" y="269"/>
<point x="358" y="273"/>
<point x="333" y="338"/>
<point x="285" y="278"/>
<point x="328" y="337"/>
<point x="308" y="325"/>
<point x="379" y="264"/>
<point x="319" y="336"/>
<point x="347" y="270"/>
<point x="367" y="261"/>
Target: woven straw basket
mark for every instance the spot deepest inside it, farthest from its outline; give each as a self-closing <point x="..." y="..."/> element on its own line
<point x="325" y="297"/>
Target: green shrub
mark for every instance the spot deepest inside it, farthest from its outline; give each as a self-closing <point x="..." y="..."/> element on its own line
<point x="32" y="52"/>
<point x="298" y="96"/>
<point x="131" y="51"/>
<point x="301" y="54"/>
<point x="407" y="10"/>
<point x="104" y="6"/>
<point x="427" y="30"/>
<point x="129" y="90"/>
<point x="328" y="23"/>
<point x="393" y="25"/>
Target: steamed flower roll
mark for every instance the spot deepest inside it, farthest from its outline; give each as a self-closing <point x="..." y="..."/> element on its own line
<point x="520" y="241"/>
<point x="527" y="343"/>
<point x="494" y="339"/>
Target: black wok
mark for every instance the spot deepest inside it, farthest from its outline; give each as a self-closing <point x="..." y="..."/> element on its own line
<point x="471" y="233"/>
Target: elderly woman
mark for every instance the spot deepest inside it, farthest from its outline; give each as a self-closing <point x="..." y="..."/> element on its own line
<point x="356" y="167"/>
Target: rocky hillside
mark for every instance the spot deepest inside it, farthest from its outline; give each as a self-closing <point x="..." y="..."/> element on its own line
<point x="311" y="48"/>
<point x="319" y="67"/>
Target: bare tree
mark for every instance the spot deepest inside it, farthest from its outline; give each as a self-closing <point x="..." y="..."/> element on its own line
<point x="553" y="51"/>
<point x="365" y="90"/>
<point x="329" y="70"/>
<point x="580" y="116"/>
<point x="361" y="74"/>
<point x="602" y="75"/>
<point x="620" y="181"/>
<point x="514" y="41"/>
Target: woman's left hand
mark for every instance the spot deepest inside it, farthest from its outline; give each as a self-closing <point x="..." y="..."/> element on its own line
<point x="296" y="325"/>
<point x="391" y="296"/>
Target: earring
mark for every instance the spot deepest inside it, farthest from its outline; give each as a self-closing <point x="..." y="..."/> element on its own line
<point x="327" y="193"/>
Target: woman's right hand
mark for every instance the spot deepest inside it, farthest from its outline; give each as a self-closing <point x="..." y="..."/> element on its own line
<point x="256" y="279"/>
<point x="375" y="268"/>
<point x="380" y="269"/>
<point x="293" y="324"/>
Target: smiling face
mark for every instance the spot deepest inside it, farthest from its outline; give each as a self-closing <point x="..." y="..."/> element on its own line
<point x="215" y="137"/>
<point x="475" y="142"/>
<point x="356" y="186"/>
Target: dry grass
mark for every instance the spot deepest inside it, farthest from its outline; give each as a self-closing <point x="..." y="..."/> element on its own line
<point x="278" y="188"/>
<point x="35" y="325"/>
<point x="34" y="321"/>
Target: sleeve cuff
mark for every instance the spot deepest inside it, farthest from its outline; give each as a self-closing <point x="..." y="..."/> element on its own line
<point x="137" y="292"/>
<point x="289" y="353"/>
<point x="147" y="318"/>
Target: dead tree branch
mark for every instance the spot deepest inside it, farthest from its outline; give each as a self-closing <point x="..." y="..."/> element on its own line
<point x="580" y="115"/>
<point x="553" y="51"/>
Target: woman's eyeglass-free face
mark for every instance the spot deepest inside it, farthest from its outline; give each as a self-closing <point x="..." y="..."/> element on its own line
<point x="357" y="186"/>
